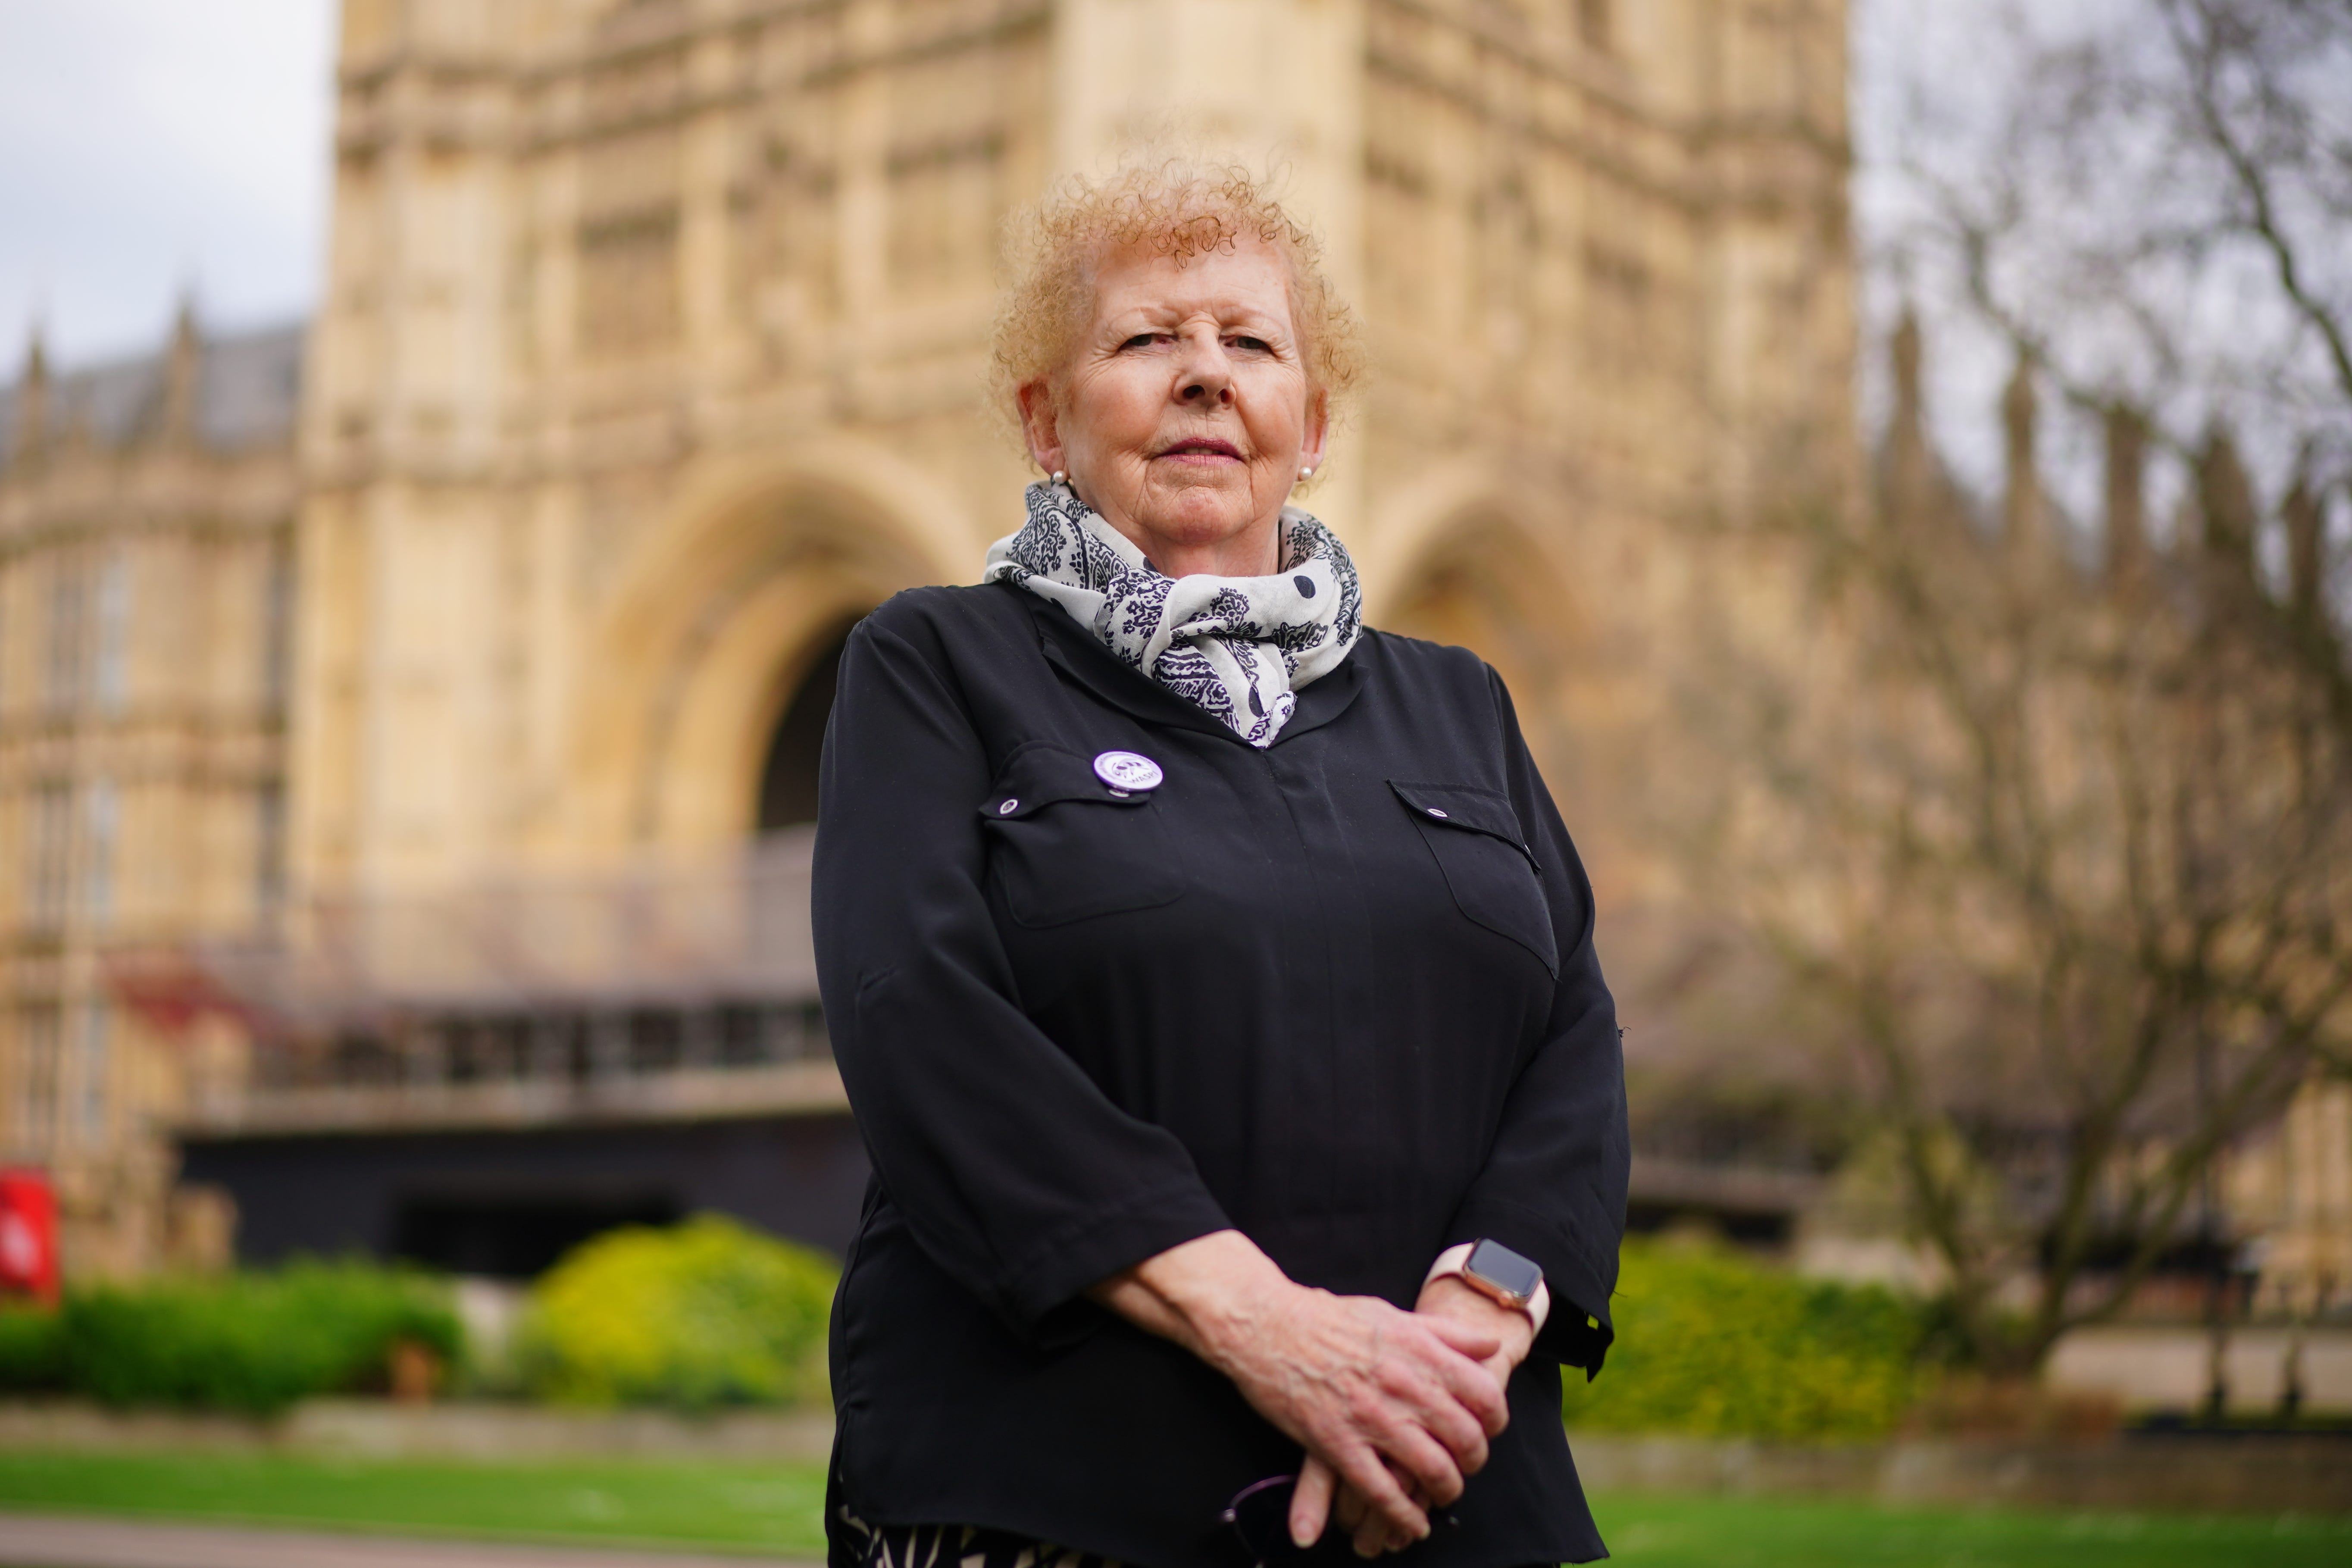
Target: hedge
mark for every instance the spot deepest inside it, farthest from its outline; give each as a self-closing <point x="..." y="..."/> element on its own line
<point x="32" y="1351"/>
<point x="254" y="1343"/>
<point x="1712" y="1342"/>
<point x="705" y="1313"/>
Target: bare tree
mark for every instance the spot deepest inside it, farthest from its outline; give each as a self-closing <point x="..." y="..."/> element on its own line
<point x="2157" y="213"/>
<point x="2056" y="812"/>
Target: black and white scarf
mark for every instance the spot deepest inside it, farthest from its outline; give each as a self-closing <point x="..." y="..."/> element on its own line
<point x="1238" y="647"/>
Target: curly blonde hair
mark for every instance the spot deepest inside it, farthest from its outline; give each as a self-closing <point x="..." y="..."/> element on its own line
<point x="1176" y="208"/>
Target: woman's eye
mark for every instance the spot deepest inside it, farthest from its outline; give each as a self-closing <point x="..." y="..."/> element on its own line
<point x="1141" y="340"/>
<point x="1255" y="345"/>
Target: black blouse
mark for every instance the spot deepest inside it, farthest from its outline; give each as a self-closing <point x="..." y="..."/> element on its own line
<point x="1339" y="993"/>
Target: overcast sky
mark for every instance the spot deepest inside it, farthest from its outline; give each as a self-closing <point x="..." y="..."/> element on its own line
<point x="149" y="147"/>
<point x="153" y="146"/>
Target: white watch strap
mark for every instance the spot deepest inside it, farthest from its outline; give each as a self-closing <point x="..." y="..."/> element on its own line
<point x="1455" y="1259"/>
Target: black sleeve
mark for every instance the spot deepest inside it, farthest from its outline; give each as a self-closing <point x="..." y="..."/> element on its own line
<point x="1554" y="1184"/>
<point x="1016" y="1175"/>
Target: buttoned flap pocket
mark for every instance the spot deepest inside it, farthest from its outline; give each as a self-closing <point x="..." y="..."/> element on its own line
<point x="1064" y="846"/>
<point x="1493" y="874"/>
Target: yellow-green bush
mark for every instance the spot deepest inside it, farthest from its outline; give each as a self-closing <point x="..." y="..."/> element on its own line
<point x="1715" y="1343"/>
<point x="705" y="1313"/>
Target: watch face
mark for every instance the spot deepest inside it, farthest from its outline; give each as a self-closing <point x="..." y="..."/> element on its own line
<point x="1505" y="1269"/>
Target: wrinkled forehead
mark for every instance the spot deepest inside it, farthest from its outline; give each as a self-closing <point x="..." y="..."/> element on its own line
<point x="1245" y="276"/>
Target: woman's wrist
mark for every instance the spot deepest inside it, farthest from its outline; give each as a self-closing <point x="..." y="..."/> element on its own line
<point x="1451" y="1296"/>
<point x="1211" y="1295"/>
<point x="1457" y="1260"/>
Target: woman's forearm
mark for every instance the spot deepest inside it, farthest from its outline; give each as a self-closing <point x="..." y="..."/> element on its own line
<point x="1204" y="1294"/>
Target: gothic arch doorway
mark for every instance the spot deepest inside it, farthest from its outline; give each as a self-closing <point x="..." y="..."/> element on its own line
<point x="716" y="622"/>
<point x="1489" y="587"/>
<point x="788" y="777"/>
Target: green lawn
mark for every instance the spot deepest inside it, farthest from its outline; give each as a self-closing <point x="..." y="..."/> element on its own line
<point x="1739" y="1532"/>
<point x="776" y="1507"/>
<point x="732" y="1505"/>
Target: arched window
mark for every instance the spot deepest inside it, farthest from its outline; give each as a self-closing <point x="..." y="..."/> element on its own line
<point x="788" y="778"/>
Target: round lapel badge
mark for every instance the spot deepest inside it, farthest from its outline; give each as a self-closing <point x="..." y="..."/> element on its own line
<point x="1127" y="771"/>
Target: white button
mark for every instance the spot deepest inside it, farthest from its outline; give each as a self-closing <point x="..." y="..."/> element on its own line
<point x="1434" y="812"/>
<point x="1008" y="808"/>
<point x="1127" y="771"/>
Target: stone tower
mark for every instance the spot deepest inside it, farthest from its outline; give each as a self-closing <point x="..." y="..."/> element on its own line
<point x="651" y="344"/>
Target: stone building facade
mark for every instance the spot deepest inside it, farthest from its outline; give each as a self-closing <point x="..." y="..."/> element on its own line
<point x="147" y="520"/>
<point x="649" y="357"/>
<point x="652" y="341"/>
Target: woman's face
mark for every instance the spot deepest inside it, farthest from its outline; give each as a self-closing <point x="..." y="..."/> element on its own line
<point x="1184" y="413"/>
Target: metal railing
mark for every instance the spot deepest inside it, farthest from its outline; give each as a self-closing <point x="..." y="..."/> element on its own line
<point x="664" y="989"/>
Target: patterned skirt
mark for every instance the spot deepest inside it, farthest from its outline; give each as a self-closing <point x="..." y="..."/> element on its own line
<point x="853" y="1544"/>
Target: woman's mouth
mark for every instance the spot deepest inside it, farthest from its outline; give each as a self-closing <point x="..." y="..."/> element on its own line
<point x="1202" y="449"/>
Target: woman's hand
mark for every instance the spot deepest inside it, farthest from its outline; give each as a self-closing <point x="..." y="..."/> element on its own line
<point x="1515" y="1332"/>
<point x="1399" y="1406"/>
<point x="1321" y="1494"/>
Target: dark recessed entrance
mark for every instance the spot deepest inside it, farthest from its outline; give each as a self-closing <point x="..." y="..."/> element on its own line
<point x="509" y="1202"/>
<point x="788" y="779"/>
<point x="515" y="1237"/>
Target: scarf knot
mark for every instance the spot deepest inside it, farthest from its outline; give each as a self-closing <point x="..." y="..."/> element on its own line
<point x="1238" y="647"/>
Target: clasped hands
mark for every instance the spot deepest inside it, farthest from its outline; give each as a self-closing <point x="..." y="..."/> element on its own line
<point x="1395" y="1409"/>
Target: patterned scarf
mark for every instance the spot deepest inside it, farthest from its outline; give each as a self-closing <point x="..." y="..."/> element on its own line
<point x="1238" y="647"/>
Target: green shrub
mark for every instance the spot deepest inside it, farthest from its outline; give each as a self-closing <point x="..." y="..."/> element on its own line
<point x="249" y="1341"/>
<point x="701" y="1314"/>
<point x="32" y="1353"/>
<point x="1709" y="1341"/>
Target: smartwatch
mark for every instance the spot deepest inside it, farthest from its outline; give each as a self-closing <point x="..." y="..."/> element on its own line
<point x="1495" y="1270"/>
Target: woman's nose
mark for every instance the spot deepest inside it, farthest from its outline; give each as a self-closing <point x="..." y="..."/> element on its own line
<point x="1205" y="374"/>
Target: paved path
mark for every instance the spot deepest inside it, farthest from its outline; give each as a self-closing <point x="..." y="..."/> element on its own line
<point x="57" y="1540"/>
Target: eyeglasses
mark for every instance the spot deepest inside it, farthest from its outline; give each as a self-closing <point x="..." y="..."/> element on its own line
<point x="1260" y="1515"/>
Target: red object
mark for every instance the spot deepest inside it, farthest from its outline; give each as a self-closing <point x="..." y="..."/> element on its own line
<point x="167" y="989"/>
<point x="28" y="1236"/>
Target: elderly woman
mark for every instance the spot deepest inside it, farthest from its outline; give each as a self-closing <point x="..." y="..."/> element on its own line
<point x="1212" y="979"/>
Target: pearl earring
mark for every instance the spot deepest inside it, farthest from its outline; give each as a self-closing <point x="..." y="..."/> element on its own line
<point x="1060" y="477"/>
<point x="1304" y="474"/>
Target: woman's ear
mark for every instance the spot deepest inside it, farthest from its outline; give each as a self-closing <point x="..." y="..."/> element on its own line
<point x="1318" y="429"/>
<point x="1039" y="425"/>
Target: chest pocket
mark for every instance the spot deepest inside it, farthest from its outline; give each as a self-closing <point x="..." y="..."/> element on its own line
<point x="1475" y="834"/>
<point x="1063" y="846"/>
